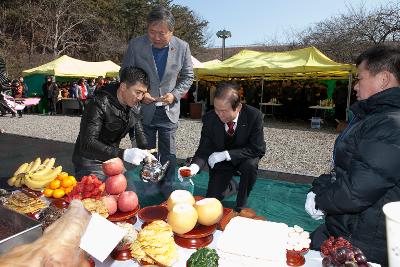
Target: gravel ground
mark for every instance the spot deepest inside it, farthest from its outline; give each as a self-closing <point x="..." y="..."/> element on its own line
<point x="291" y="147"/>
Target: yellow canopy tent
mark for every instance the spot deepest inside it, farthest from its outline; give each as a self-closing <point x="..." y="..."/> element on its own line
<point x="211" y="62"/>
<point x="306" y="63"/>
<point x="66" y="66"/>
<point x="297" y="64"/>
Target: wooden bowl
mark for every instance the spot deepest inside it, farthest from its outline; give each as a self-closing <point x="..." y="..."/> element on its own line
<point x="296" y="258"/>
<point x="153" y="213"/>
<point x="193" y="242"/>
<point x="121" y="254"/>
<point x="199" y="231"/>
<point x="200" y="236"/>
<point x="59" y="203"/>
<point x="120" y="216"/>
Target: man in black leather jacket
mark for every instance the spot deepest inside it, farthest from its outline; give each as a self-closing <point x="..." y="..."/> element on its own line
<point x="107" y="119"/>
<point x="366" y="155"/>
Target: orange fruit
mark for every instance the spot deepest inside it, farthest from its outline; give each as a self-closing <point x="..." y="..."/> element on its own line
<point x="58" y="193"/>
<point x="72" y="179"/>
<point x="48" y="192"/>
<point x="62" y="175"/>
<point x="68" y="189"/>
<point x="67" y="182"/>
<point x="55" y="184"/>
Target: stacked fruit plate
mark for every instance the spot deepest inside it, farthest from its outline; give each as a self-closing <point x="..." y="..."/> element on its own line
<point x="297" y="246"/>
<point x="89" y="187"/>
<point x="60" y="186"/>
<point x="89" y="190"/>
<point x="193" y="220"/>
<point x="122" y="205"/>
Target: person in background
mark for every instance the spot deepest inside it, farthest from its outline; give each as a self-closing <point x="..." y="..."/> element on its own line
<point x="53" y="94"/>
<point x="167" y="60"/>
<point x="17" y="91"/>
<point x="232" y="140"/>
<point x="184" y="112"/>
<point x="340" y="100"/>
<point x="366" y="155"/>
<point x="45" y="90"/>
<point x="107" y="119"/>
<point x="100" y="82"/>
<point x="212" y="88"/>
<point x="91" y="88"/>
<point x="251" y="94"/>
<point x="73" y="90"/>
<point x="82" y="94"/>
<point x="64" y="90"/>
<point x="25" y="91"/>
<point x="4" y="108"/>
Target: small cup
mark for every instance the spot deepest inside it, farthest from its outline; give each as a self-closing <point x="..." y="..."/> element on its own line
<point x="392" y="213"/>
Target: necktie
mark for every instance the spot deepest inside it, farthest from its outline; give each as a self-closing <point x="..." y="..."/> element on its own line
<point x="231" y="130"/>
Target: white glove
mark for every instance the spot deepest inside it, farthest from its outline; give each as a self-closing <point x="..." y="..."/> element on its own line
<point x="136" y="155"/>
<point x="310" y="207"/>
<point x="194" y="169"/>
<point x="218" y="157"/>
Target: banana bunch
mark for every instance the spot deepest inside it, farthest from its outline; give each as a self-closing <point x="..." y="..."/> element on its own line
<point x="35" y="175"/>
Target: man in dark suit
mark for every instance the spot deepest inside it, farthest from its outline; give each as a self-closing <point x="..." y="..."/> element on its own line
<point x="232" y="140"/>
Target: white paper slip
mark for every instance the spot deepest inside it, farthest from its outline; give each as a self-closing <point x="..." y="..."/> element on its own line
<point x="101" y="237"/>
<point x="159" y="104"/>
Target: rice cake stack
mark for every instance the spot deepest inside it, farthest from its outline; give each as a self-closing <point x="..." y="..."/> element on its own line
<point x="247" y="242"/>
<point x="155" y="245"/>
<point x="22" y="203"/>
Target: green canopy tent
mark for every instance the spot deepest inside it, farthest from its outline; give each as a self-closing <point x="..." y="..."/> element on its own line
<point x="66" y="68"/>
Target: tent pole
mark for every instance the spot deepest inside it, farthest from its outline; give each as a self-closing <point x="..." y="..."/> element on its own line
<point x="262" y="92"/>
<point x="349" y="95"/>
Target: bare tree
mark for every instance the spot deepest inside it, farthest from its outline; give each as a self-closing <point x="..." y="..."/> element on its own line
<point x="33" y="32"/>
<point x="343" y="37"/>
<point x="62" y="22"/>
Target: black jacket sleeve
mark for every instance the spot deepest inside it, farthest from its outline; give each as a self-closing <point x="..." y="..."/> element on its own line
<point x="141" y="140"/>
<point x="91" y="126"/>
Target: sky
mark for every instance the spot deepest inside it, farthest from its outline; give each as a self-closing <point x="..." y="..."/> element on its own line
<point x="265" y="21"/>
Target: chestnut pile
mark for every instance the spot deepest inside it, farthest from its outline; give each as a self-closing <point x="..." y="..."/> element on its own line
<point x="340" y="253"/>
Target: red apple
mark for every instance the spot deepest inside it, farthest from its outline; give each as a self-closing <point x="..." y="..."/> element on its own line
<point x="116" y="184"/>
<point x="128" y="201"/>
<point x="113" y="167"/>
<point x="110" y="203"/>
<point x="115" y="197"/>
